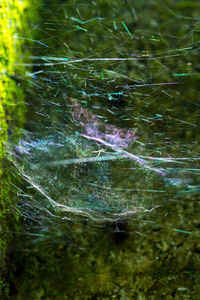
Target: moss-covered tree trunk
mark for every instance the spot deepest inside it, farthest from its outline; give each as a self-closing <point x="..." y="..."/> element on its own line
<point x="16" y="19"/>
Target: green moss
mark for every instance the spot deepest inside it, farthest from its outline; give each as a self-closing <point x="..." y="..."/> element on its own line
<point x="15" y="19"/>
<point x="89" y="263"/>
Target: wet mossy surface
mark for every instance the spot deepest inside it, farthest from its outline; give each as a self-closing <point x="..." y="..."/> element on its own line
<point x="151" y="256"/>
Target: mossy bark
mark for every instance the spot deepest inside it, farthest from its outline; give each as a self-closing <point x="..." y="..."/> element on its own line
<point x="16" y="18"/>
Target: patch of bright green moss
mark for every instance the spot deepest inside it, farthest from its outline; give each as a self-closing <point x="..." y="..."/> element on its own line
<point x="15" y="19"/>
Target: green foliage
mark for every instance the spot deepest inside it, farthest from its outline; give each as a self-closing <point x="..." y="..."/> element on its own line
<point x="4" y="289"/>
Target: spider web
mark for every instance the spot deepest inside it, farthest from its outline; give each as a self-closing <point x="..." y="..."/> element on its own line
<point x="112" y="124"/>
